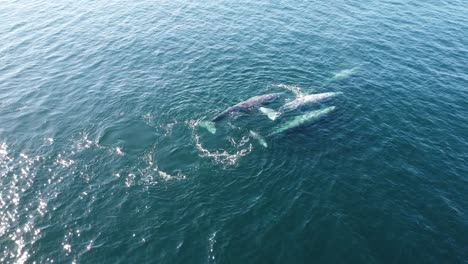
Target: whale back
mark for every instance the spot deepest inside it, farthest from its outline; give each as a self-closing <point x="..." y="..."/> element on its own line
<point x="247" y="105"/>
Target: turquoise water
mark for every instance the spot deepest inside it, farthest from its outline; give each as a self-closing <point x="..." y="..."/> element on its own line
<point x="102" y="159"/>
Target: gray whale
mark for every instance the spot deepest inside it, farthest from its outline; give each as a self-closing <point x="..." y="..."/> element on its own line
<point x="247" y="105"/>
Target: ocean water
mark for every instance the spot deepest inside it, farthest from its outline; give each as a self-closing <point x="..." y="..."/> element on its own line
<point x="102" y="159"/>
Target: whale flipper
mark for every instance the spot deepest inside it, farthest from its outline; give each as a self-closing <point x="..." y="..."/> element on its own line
<point x="258" y="137"/>
<point x="272" y="114"/>
<point x="208" y="125"/>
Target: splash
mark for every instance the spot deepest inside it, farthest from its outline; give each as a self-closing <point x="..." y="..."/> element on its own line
<point x="152" y="169"/>
<point x="292" y="88"/>
<point x="169" y="127"/>
<point x="130" y="180"/>
<point x="212" y="241"/>
<point x="167" y="177"/>
<point x="119" y="151"/>
<point x="83" y="142"/>
<point x="241" y="142"/>
<point x="192" y="123"/>
<point x="222" y="156"/>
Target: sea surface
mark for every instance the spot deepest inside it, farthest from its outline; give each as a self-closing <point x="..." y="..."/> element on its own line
<point x="103" y="159"/>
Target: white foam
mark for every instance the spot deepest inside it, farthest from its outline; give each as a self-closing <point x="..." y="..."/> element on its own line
<point x="212" y="241"/>
<point x="294" y="89"/>
<point x="239" y="144"/>
<point x="152" y="169"/>
<point x="165" y="175"/>
<point x="67" y="248"/>
<point x="83" y="142"/>
<point x="222" y="156"/>
<point x="119" y="151"/>
<point x="130" y="180"/>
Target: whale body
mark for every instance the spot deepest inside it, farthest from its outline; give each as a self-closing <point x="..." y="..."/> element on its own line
<point x="244" y="106"/>
<point x="299" y="101"/>
<point x="247" y="105"/>
<point x="344" y="73"/>
<point x="303" y="119"/>
<point x="306" y="99"/>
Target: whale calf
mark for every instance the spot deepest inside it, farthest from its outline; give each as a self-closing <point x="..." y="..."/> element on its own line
<point x="303" y="119"/>
<point x="299" y="101"/>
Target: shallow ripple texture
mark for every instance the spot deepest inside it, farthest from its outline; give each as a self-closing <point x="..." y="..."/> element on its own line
<point x="102" y="159"/>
